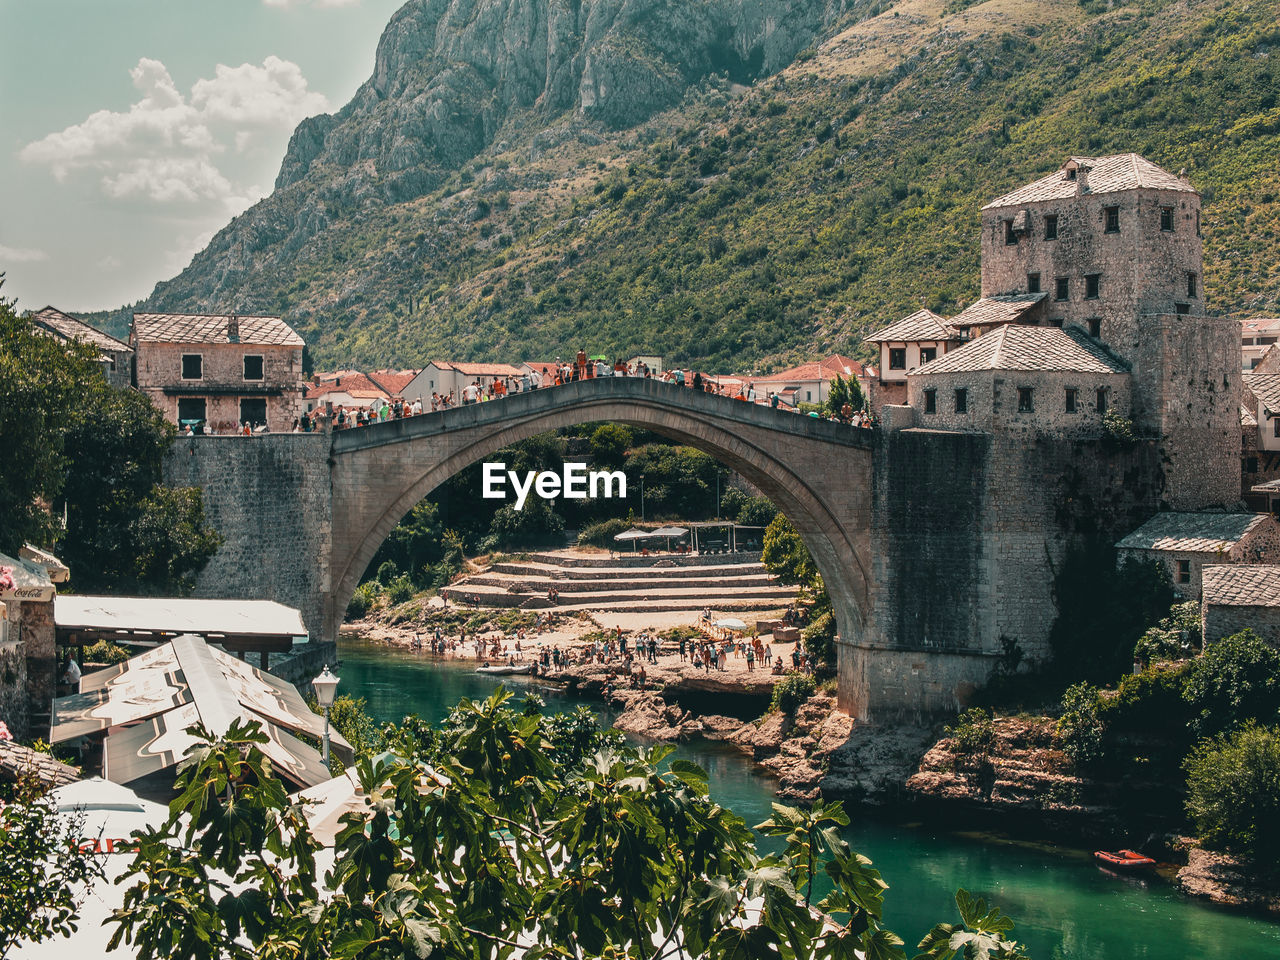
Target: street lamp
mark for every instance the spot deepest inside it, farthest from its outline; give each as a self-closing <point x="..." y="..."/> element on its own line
<point x="325" y="685"/>
<point x="642" y="498"/>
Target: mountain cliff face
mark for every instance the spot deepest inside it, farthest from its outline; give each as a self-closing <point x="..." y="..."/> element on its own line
<point x="451" y="77"/>
<point x="733" y="182"/>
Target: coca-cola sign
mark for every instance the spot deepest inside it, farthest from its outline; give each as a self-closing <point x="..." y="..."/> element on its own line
<point x="29" y="592"/>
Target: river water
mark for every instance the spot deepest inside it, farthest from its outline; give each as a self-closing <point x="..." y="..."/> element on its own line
<point x="1064" y="906"/>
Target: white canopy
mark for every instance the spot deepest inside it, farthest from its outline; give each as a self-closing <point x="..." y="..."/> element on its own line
<point x="670" y="532"/>
<point x="167" y="615"/>
<point x="634" y="534"/>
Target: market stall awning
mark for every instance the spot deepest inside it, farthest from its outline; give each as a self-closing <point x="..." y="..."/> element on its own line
<point x="634" y="534"/>
<point x="240" y="625"/>
<point x="670" y="532"/>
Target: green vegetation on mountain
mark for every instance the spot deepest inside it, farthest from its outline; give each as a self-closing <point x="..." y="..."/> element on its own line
<point x="749" y="225"/>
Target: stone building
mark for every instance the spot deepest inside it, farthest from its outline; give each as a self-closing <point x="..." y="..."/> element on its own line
<point x="347" y="388"/>
<point x="1022" y="382"/>
<point x="116" y="357"/>
<point x="445" y="377"/>
<point x="808" y="382"/>
<point x="914" y="340"/>
<point x="1241" y="597"/>
<point x="220" y="371"/>
<point x="1107" y="240"/>
<point x="1188" y="542"/>
<point x="28" y="647"/>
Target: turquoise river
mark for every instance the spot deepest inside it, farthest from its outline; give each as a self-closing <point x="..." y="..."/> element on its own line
<point x="1065" y="908"/>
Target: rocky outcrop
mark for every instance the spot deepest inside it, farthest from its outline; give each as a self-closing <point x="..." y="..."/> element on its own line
<point x="1223" y="879"/>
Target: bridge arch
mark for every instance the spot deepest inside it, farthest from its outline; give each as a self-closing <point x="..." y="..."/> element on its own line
<point x="818" y="473"/>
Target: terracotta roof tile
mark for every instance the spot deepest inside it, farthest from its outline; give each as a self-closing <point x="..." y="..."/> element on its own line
<point x="1255" y="325"/>
<point x="920" y="326"/>
<point x="1242" y="585"/>
<point x="73" y="328"/>
<point x="393" y="381"/>
<point x="203" y="328"/>
<point x="1114" y="174"/>
<point x="1193" y="532"/>
<point x="1017" y="347"/>
<point x="485" y="369"/>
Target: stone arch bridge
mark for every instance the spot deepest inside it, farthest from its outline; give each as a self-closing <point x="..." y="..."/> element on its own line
<point x="302" y="515"/>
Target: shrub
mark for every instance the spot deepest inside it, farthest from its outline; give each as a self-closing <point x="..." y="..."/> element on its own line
<point x="1233" y="792"/>
<point x="363" y="599"/>
<point x="1149" y="703"/>
<point x="1118" y="430"/>
<point x="104" y="651"/>
<point x="1235" y="680"/>
<point x="820" y="641"/>
<point x="601" y="534"/>
<point x="973" y="733"/>
<point x="387" y="572"/>
<point x="1176" y="637"/>
<point x="791" y="691"/>
<point x="1080" y="725"/>
<point x="400" y="590"/>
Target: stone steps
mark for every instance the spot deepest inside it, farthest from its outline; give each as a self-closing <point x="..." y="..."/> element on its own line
<point x="627" y="559"/>
<point x="527" y="569"/>
<point x="773" y="596"/>
<point x="502" y="581"/>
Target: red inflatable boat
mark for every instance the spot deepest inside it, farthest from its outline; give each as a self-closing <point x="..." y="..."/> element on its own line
<point x="1124" y="860"/>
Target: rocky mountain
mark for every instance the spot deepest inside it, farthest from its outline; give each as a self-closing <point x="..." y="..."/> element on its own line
<point x="734" y="181"/>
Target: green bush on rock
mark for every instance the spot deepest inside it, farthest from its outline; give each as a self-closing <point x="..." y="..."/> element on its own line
<point x="1233" y="792"/>
<point x="791" y="691"/>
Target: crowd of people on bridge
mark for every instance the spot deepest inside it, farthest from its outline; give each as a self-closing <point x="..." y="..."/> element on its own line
<point x="487" y="389"/>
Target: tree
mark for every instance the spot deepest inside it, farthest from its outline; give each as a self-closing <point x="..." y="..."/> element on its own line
<point x="43" y="384"/>
<point x="171" y="541"/>
<point x="44" y="871"/>
<point x="1233" y="792"/>
<point x="786" y="556"/>
<point x="501" y="831"/>
<point x="844" y="390"/>
<point x="609" y="444"/>
<point x="1235" y="680"/>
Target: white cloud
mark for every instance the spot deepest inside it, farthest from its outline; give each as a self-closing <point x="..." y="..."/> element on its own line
<point x="165" y="146"/>
<point x="21" y="255"/>
<point x="110" y="262"/>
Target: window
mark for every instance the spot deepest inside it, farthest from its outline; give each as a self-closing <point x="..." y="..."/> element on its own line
<point x="1191" y="284"/>
<point x="931" y="401"/>
<point x="1197" y="223"/>
<point x="1024" y="400"/>
<point x="1275" y="427"/>
<point x="897" y="358"/>
<point x="1033" y="283"/>
<point x="1092" y="284"/>
<point x="1166" y="219"/>
<point x="253" y="410"/>
<point x="253" y="368"/>
<point x="1263" y="341"/>
<point x="962" y="400"/>
<point x="928" y="353"/>
<point x="1062" y="289"/>
<point x="1095" y="327"/>
<point x="1102" y="400"/>
<point x="1071" y="174"/>
<point x="1184" y="571"/>
<point x="1183" y="308"/>
<point x="1112" y="217"/>
<point x="1072" y="392"/>
<point x="192" y="366"/>
<point x="1250" y="464"/>
<point x="1051" y="227"/>
<point x="191" y="410"/>
<point x="1055" y="322"/>
<point x="1010" y="235"/>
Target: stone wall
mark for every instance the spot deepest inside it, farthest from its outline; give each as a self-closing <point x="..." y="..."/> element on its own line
<point x="1186" y="390"/>
<point x="269" y="497"/>
<point x="992" y="402"/>
<point x="223" y="385"/>
<point x="39" y="642"/>
<point x="1219" y="620"/>
<point x="1143" y="269"/>
<point x="13" y="688"/>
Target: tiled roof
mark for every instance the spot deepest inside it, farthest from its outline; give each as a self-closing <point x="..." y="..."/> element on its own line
<point x="1125" y="171"/>
<point x="202" y="328"/>
<point x="826" y="369"/>
<point x="486" y="369"/>
<point x="993" y="311"/>
<point x="1266" y="387"/>
<point x="920" y="326"/>
<point x="1247" y="419"/>
<point x="1242" y="585"/>
<point x="352" y="384"/>
<point x="393" y="381"/>
<point x="1192" y="532"/>
<point x="1256" y="325"/>
<point x="73" y="328"/>
<point x="1018" y="347"/>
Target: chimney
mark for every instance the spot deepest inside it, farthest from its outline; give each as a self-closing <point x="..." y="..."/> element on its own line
<point x="233" y="329"/>
<point x="1082" y="180"/>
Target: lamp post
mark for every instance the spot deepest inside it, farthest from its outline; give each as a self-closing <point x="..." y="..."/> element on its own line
<point x="642" y="498"/>
<point x="325" y="685"/>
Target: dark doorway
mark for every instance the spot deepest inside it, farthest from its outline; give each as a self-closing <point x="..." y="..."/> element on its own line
<point x="191" y="412"/>
<point x="253" y="410"/>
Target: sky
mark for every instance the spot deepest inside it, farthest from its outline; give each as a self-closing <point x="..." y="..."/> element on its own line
<point x="132" y="130"/>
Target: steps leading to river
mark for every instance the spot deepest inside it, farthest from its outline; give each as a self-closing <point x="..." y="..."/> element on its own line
<point x="662" y="583"/>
